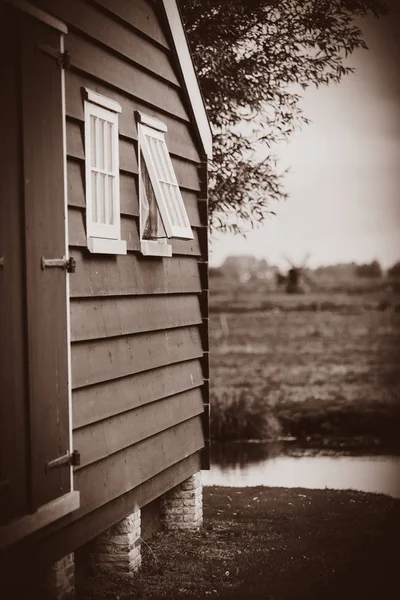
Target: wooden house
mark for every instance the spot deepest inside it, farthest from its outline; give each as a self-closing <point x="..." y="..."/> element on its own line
<point x="103" y="269"/>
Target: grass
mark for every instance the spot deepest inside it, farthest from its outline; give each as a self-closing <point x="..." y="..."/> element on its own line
<point x="301" y="370"/>
<point x="272" y="544"/>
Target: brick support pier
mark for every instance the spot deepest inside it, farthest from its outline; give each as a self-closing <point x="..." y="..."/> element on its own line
<point x="59" y="581"/>
<point x="183" y="505"/>
<point x="118" y="549"/>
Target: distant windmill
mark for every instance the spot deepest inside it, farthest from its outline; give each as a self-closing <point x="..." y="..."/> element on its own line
<point x="297" y="275"/>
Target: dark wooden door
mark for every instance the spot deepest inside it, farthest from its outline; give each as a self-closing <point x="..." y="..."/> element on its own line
<point x="13" y="406"/>
<point x="35" y="303"/>
<point x="43" y="159"/>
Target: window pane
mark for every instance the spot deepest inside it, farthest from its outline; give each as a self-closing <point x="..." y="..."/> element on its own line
<point x="110" y="182"/>
<point x="109" y="146"/>
<point x="170" y="200"/>
<point x="100" y="143"/>
<point x="101" y="214"/>
<point x="93" y="152"/>
<point x="164" y="161"/>
<point x="94" y="196"/>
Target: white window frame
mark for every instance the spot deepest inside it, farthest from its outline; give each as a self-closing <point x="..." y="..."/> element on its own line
<point x="148" y="126"/>
<point x="101" y="237"/>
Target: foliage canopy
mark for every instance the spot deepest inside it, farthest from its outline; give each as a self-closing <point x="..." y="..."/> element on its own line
<point x="252" y="58"/>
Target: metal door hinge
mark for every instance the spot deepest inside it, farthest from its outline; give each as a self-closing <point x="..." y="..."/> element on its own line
<point x="72" y="459"/>
<point x="62" y="58"/>
<point x="1" y="262"/>
<point x="69" y="264"/>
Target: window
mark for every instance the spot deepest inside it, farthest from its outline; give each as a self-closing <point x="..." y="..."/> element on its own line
<point x="162" y="211"/>
<point x="103" y="227"/>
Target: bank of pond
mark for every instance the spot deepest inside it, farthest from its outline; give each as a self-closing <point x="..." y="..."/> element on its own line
<point x="289" y="463"/>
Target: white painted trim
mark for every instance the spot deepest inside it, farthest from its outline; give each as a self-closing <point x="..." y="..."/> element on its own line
<point x="154" y="248"/>
<point x="39" y="14"/>
<point x="106" y="246"/>
<point x="65" y="177"/>
<point x="150" y="121"/>
<point x="102" y="100"/>
<point x="93" y="229"/>
<point x="189" y="74"/>
<point x="46" y="514"/>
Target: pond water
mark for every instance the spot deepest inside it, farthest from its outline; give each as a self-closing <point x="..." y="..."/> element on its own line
<point x="287" y="464"/>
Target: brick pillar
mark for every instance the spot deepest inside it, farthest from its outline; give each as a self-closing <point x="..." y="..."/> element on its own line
<point x="183" y="505"/>
<point x="59" y="581"/>
<point x="118" y="548"/>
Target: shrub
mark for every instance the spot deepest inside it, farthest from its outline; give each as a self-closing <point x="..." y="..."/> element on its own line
<point x="239" y="415"/>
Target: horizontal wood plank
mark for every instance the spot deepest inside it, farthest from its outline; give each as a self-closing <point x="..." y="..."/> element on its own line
<point x="186" y="172"/>
<point x="129" y="233"/>
<point x="179" y="139"/>
<point x="140" y="15"/>
<point x="100" y="63"/>
<point x="91" y="404"/>
<point x="132" y="274"/>
<point x="104" y="438"/>
<point x="107" y="30"/>
<point x="108" y="317"/>
<point x="102" y="360"/>
<point x="119" y="473"/>
<point x="128" y="193"/>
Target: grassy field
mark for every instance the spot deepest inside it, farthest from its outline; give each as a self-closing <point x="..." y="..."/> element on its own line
<point x="317" y="365"/>
<point x="270" y="544"/>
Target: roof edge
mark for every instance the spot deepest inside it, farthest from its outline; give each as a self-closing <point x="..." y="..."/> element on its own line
<point x="189" y="74"/>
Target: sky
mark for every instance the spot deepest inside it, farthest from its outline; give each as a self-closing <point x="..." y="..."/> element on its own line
<point x="344" y="180"/>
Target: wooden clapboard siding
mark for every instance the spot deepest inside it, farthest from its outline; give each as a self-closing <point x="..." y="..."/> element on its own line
<point x="186" y="172"/>
<point x="119" y="473"/>
<point x="91" y="404"/>
<point x="104" y="438"/>
<point x="132" y="274"/>
<point x="107" y="317"/>
<point x="128" y="194"/>
<point x="101" y="27"/>
<point x="139" y="15"/>
<point x="105" y="66"/>
<point x="110" y="358"/>
<point x="129" y="233"/>
<point x="179" y="138"/>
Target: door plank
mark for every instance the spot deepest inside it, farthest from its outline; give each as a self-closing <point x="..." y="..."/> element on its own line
<point x="13" y="407"/>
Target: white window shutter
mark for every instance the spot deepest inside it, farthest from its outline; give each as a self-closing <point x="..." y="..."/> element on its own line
<point x="166" y="189"/>
<point x="102" y="172"/>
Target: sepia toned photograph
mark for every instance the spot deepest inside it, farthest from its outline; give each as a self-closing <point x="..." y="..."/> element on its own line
<point x="200" y="299"/>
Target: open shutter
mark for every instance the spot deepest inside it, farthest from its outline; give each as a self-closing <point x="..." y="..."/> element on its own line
<point x="164" y="182"/>
<point x="45" y="235"/>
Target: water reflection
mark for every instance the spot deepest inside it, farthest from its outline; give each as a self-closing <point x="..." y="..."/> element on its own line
<point x="286" y="464"/>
